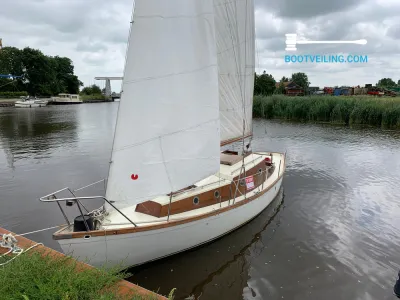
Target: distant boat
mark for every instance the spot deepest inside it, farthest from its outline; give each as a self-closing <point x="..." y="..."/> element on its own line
<point x="63" y="99"/>
<point x="187" y="91"/>
<point x="27" y="102"/>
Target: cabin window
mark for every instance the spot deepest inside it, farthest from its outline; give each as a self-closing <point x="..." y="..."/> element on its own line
<point x="196" y="200"/>
<point x="242" y="182"/>
<point x="216" y="194"/>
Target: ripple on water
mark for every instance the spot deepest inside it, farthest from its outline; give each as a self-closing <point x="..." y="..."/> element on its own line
<point x="336" y="235"/>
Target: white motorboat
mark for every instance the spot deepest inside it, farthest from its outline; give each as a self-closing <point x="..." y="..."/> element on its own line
<point x="64" y="99"/>
<point x="187" y="91"/>
<point x="29" y="102"/>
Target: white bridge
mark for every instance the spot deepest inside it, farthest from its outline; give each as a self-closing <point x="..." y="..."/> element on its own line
<point x="108" y="93"/>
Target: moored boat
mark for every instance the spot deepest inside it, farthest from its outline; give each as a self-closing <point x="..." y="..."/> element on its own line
<point x="64" y="99"/>
<point x="187" y="91"/>
<point x="29" y="103"/>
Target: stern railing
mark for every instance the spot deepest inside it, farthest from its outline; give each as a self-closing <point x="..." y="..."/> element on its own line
<point x="77" y="200"/>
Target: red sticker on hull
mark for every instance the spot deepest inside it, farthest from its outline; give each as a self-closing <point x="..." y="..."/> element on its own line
<point x="134" y="176"/>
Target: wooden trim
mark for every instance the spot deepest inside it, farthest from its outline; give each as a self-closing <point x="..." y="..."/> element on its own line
<point x="227" y="142"/>
<point x="206" y="198"/>
<point x="149" y="208"/>
<point x="73" y="235"/>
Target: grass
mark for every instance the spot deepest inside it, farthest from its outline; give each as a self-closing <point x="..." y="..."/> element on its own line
<point x="35" y="276"/>
<point x="347" y="110"/>
<point x="93" y="97"/>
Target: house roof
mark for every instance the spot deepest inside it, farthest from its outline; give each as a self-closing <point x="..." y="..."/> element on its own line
<point x="293" y="85"/>
<point x="285" y="84"/>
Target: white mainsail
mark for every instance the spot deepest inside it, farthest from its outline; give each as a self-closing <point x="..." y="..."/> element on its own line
<point x="167" y="132"/>
<point x="234" y="25"/>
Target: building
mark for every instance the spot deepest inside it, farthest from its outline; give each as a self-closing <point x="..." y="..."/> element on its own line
<point x="292" y="89"/>
<point x="312" y="90"/>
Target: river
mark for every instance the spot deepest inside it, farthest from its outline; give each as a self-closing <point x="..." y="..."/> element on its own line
<point x="332" y="233"/>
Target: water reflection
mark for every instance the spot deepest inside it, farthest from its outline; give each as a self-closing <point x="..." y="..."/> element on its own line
<point x="47" y="149"/>
<point x="34" y="133"/>
<point x="216" y="271"/>
<point x="336" y="236"/>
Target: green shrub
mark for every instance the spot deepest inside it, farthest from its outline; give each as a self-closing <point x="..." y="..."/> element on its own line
<point x="92" y="97"/>
<point x="12" y="94"/>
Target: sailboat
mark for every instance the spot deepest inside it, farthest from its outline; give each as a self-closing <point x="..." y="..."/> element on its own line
<point x="187" y="91"/>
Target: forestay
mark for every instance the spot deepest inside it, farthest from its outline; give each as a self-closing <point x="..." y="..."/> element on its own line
<point x="234" y="21"/>
<point x="167" y="132"/>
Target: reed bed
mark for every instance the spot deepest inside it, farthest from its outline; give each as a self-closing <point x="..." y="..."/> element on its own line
<point x="348" y="110"/>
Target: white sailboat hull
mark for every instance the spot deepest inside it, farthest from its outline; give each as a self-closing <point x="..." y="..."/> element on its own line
<point x="137" y="248"/>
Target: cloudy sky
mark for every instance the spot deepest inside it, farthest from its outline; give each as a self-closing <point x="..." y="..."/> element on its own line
<point x="93" y="33"/>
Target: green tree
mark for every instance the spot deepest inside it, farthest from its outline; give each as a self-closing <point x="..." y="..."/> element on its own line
<point x="302" y="80"/>
<point x="65" y="77"/>
<point x="11" y="63"/>
<point x="91" y="90"/>
<point x="281" y="87"/>
<point x="264" y="84"/>
<point x="96" y="89"/>
<point x="386" y="83"/>
<point x="45" y="75"/>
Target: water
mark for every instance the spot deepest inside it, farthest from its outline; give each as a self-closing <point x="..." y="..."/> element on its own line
<point x="332" y="233"/>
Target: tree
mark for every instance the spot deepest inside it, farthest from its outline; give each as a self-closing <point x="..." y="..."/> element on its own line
<point x="281" y="87"/>
<point x="301" y="79"/>
<point x="95" y="89"/>
<point x="65" y="74"/>
<point x="91" y="90"/>
<point x="10" y="63"/>
<point x="386" y="83"/>
<point x="45" y="75"/>
<point x="264" y="84"/>
<point x="398" y="82"/>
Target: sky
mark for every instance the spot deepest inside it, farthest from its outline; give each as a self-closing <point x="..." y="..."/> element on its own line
<point x="94" y="34"/>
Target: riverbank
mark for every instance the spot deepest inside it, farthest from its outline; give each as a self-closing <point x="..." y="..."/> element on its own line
<point x="11" y="102"/>
<point x="93" y="98"/>
<point x="346" y="110"/>
<point x="46" y="273"/>
<point x="7" y="102"/>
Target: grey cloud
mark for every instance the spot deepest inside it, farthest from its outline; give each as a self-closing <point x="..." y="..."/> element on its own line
<point x="394" y="31"/>
<point x="94" y="34"/>
<point x="303" y="9"/>
<point x="87" y="46"/>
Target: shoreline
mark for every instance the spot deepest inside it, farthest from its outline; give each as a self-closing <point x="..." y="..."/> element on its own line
<point x="11" y="102"/>
<point x="125" y="288"/>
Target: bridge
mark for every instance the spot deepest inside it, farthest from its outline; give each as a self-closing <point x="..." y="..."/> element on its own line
<point x="108" y="93"/>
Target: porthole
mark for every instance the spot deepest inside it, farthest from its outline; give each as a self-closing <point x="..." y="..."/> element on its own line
<point x="196" y="200"/>
<point x="216" y="194"/>
<point x="242" y="182"/>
